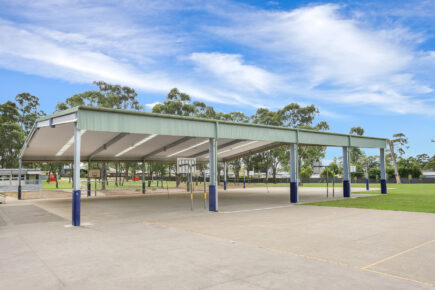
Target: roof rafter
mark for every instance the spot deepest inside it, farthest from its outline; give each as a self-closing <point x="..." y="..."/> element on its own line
<point x="169" y="146"/>
<point x="219" y="147"/>
<point x="107" y="145"/>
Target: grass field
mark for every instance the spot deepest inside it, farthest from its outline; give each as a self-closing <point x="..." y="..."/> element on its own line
<point x="403" y="197"/>
<point x="64" y="183"/>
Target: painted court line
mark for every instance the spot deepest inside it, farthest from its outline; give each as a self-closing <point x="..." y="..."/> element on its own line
<point x="398" y="254"/>
<point x="255" y="209"/>
<point x="399" y="277"/>
<point x="330" y="261"/>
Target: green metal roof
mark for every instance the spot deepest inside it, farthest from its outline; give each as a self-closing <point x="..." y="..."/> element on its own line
<point x="102" y="126"/>
<point x="93" y="112"/>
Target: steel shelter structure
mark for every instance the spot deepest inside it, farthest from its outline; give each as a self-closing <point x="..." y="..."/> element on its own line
<point x="93" y="134"/>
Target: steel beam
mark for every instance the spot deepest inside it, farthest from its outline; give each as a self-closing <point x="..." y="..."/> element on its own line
<point x="253" y="151"/>
<point x="108" y="144"/>
<point x="169" y="146"/>
<point x="220" y="147"/>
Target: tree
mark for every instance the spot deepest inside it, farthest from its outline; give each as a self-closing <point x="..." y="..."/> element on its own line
<point x="277" y="155"/>
<point x="358" y="173"/>
<point x="55" y="168"/>
<point x="108" y="96"/>
<point x="248" y="163"/>
<point x="236" y="166"/>
<point x="356" y="153"/>
<point x="430" y="165"/>
<point x="334" y="166"/>
<point x="422" y="159"/>
<point x="308" y="155"/>
<point x="327" y="172"/>
<point x="369" y="162"/>
<point x="233" y="116"/>
<point x="28" y="110"/>
<point x="177" y="103"/>
<point x="407" y="167"/>
<point x="401" y="140"/>
<point x="292" y="116"/>
<point x="306" y="172"/>
<point x="11" y="135"/>
<point x="374" y="173"/>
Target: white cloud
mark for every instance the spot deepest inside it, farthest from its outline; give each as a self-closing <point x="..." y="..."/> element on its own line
<point x="231" y="69"/>
<point x="335" y="58"/>
<point x="311" y="54"/>
<point x="150" y="106"/>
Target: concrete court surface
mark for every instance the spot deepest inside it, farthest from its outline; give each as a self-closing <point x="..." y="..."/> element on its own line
<point x="256" y="241"/>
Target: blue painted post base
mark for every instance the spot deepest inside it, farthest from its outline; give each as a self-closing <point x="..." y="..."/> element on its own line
<point x="212" y="198"/>
<point x="244" y="184"/>
<point x="367" y="184"/>
<point x="346" y="188"/>
<point x="225" y="185"/>
<point x="76" y="208"/>
<point x="143" y="187"/>
<point x="19" y="192"/>
<point x="294" y="192"/>
<point x="383" y="186"/>
<point x="89" y="188"/>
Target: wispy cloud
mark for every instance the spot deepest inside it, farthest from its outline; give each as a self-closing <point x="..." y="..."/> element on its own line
<point x="337" y="58"/>
<point x="231" y="69"/>
<point x="231" y="54"/>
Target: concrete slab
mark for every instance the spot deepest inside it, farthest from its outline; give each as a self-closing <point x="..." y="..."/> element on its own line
<point x="257" y="241"/>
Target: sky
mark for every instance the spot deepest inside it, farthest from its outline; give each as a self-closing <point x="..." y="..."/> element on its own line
<point x="362" y="63"/>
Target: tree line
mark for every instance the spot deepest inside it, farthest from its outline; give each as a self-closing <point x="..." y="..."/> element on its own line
<point x="17" y="119"/>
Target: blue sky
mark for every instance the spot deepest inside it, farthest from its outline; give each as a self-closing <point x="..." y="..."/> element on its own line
<point x="363" y="63"/>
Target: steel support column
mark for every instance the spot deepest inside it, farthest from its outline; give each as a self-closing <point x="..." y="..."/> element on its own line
<point x="89" y="180"/>
<point x="225" y="175"/>
<point x="294" y="197"/>
<point x="346" y="172"/>
<point x="143" y="178"/>
<point x="213" y="189"/>
<point x="383" y="171"/>
<point x="19" y="179"/>
<point x="76" y="192"/>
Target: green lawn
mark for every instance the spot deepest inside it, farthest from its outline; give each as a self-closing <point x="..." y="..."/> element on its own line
<point x="64" y="183"/>
<point x="404" y="197"/>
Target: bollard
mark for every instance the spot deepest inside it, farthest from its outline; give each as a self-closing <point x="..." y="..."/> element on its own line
<point x="367" y="184"/>
<point x="191" y="201"/>
<point x="89" y="188"/>
<point x="205" y="200"/>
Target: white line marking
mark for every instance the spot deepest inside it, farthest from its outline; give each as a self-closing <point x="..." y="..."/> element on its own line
<point x="255" y="209"/>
